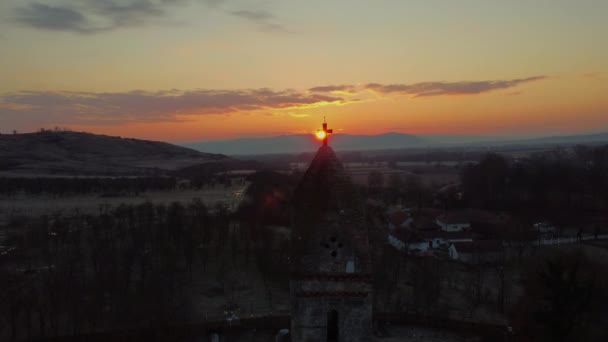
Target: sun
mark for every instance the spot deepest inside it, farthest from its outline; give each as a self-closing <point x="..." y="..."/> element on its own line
<point x="321" y="135"/>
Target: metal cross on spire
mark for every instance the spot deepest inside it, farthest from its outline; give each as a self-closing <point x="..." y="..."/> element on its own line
<point x="325" y="132"/>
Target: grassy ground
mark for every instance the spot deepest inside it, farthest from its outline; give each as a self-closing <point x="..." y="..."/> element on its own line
<point x="417" y="334"/>
<point x="27" y="205"/>
<point x="239" y="288"/>
<point x="429" y="175"/>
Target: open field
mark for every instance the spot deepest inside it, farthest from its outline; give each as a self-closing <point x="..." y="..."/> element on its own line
<point x="241" y="289"/>
<point x="432" y="173"/>
<point x="25" y="205"/>
<point x="428" y="174"/>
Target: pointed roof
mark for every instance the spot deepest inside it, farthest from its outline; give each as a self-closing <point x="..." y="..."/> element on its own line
<point x="326" y="188"/>
<point x="327" y="203"/>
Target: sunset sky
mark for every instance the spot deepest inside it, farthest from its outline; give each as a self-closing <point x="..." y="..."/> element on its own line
<point x="187" y="70"/>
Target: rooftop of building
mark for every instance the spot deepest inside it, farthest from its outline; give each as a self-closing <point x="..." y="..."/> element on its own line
<point x="326" y="204"/>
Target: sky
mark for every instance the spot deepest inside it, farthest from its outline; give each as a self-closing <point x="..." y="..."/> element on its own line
<point x="190" y="70"/>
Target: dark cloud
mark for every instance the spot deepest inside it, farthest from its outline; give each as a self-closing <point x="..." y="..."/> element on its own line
<point x="53" y="18"/>
<point x="449" y="88"/>
<point x="264" y="20"/>
<point x="252" y="15"/>
<point x="94" y="16"/>
<point x="125" y="13"/>
<point x="142" y="106"/>
<point x="334" y="88"/>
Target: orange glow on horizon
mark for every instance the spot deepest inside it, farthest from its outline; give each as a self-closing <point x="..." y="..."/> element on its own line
<point x="536" y="110"/>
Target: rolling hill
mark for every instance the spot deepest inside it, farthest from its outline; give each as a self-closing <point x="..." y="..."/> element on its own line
<point x="76" y="153"/>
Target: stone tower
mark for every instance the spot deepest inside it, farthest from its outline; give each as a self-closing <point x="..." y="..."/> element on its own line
<point x="330" y="287"/>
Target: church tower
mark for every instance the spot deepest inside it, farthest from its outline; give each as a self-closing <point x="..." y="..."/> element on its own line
<point x="331" y="284"/>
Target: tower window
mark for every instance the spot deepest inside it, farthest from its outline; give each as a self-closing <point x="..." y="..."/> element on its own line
<point x="332" y="326"/>
<point x="333" y="245"/>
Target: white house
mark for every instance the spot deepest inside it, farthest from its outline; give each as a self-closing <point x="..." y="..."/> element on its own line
<point x="439" y="239"/>
<point x="423" y="241"/>
<point x="477" y="252"/>
<point x="403" y="239"/>
<point x="453" y="222"/>
<point x="545" y="228"/>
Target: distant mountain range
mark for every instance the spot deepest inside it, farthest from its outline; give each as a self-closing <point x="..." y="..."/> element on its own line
<point x="569" y="139"/>
<point x="299" y="143"/>
<point x="76" y="153"/>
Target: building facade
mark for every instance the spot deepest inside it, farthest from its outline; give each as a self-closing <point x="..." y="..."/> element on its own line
<point x="331" y="283"/>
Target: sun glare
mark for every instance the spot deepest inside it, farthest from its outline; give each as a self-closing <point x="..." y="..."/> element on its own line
<point x="320" y="135"/>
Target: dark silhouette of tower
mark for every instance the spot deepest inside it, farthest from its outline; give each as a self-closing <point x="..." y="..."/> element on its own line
<point x="330" y="287"/>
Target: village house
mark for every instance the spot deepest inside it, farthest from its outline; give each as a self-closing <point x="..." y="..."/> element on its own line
<point x="425" y="224"/>
<point x="418" y="242"/>
<point x="406" y="240"/>
<point x="544" y="229"/>
<point x="400" y="219"/>
<point x="442" y="239"/>
<point x="453" y="222"/>
<point x="477" y="252"/>
<point x="466" y="219"/>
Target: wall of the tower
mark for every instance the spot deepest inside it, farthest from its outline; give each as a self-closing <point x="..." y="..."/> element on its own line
<point x="311" y="316"/>
<point x="335" y="284"/>
<point x="331" y="285"/>
<point x="330" y="247"/>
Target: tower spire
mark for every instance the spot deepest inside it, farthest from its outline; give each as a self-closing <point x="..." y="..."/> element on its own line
<point x="326" y="132"/>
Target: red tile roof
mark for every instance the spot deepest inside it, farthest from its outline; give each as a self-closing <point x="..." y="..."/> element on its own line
<point x="399" y="217"/>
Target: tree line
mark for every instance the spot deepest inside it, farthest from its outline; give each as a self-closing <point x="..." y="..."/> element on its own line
<point x="10" y="186"/>
<point x="559" y="181"/>
<point x="132" y="265"/>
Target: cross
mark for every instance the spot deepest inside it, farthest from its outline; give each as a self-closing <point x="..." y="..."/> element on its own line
<point x="326" y="131"/>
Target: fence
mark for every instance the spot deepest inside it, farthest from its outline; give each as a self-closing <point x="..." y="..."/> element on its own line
<point x="565" y="240"/>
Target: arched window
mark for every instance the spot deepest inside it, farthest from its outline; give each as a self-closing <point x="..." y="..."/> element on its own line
<point x="332" y="326"/>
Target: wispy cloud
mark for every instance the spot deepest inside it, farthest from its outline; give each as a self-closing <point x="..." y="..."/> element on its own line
<point x="424" y="89"/>
<point x="252" y="15"/>
<point x="345" y="88"/>
<point x="299" y="116"/>
<point x="59" y="18"/>
<point x="92" y="16"/>
<point x="264" y="20"/>
<point x="95" y="16"/>
<point x="174" y="105"/>
<point x="142" y="106"/>
<point x="590" y="75"/>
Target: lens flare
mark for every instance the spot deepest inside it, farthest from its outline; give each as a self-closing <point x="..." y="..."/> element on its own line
<point x="320" y="135"/>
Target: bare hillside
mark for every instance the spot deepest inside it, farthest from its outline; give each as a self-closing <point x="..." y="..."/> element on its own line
<point x="76" y="153"/>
